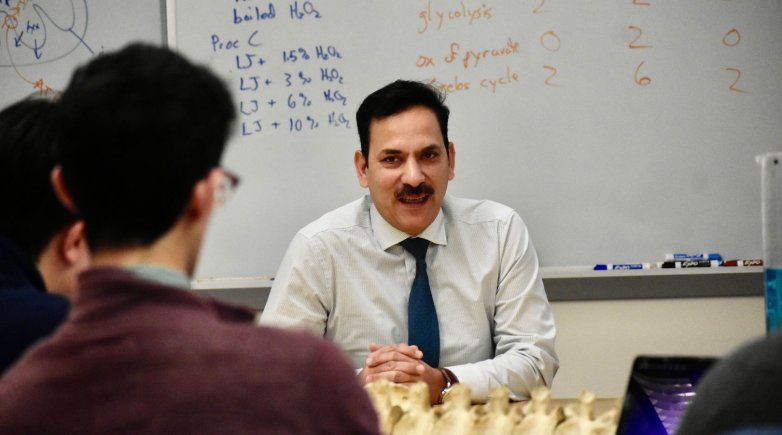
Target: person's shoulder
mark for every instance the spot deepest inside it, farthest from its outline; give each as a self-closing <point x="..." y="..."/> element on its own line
<point x="304" y="368"/>
<point x="53" y="304"/>
<point x="761" y="356"/>
<point x="32" y="304"/>
<point x="293" y="337"/>
<point x="351" y="215"/>
<point x="476" y="210"/>
<point x="727" y="399"/>
<point x="26" y="317"/>
<point x="296" y="347"/>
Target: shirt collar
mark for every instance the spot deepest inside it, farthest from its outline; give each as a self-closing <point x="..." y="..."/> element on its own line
<point x="159" y="274"/>
<point x="387" y="235"/>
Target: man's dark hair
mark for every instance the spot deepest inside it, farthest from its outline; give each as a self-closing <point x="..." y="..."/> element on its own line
<point x="396" y="98"/>
<point x="140" y="127"/>
<point x="31" y="214"/>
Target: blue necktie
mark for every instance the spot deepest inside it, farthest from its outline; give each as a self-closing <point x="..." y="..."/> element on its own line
<point x="423" y="330"/>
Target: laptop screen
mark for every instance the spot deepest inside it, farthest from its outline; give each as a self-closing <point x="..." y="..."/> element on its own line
<point x="658" y="392"/>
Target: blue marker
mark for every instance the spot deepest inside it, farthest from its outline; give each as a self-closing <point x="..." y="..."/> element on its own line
<point x="624" y="266"/>
<point x="698" y="256"/>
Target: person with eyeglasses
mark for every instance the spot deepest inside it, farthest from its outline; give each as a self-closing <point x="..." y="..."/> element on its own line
<point x="42" y="245"/>
<point x="142" y="132"/>
<point x="229" y="182"/>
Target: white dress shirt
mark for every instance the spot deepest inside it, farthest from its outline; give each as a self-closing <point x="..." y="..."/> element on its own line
<point x="346" y="277"/>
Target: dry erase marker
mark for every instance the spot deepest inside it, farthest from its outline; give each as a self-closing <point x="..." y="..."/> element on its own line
<point x="698" y="256"/>
<point x="680" y="264"/>
<point x="623" y="266"/>
<point x="742" y="263"/>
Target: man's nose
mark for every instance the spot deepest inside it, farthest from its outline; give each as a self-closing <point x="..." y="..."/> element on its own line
<point x="413" y="175"/>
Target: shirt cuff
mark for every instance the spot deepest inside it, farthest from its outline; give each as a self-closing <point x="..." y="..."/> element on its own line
<point x="471" y="375"/>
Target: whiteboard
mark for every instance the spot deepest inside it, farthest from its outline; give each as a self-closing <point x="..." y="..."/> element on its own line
<point x="43" y="41"/>
<point x="620" y="131"/>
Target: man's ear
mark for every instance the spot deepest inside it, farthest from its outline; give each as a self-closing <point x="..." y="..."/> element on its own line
<point x="204" y="194"/>
<point x="73" y="248"/>
<point x="451" y="161"/>
<point x="58" y="184"/>
<point x="361" y="168"/>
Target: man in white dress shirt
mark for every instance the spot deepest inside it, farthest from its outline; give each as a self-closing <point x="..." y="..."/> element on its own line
<point x="346" y="276"/>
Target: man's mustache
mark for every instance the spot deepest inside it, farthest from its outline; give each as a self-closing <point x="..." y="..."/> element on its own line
<point x="408" y="190"/>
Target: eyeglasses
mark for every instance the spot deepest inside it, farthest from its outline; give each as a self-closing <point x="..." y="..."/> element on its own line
<point x="229" y="182"/>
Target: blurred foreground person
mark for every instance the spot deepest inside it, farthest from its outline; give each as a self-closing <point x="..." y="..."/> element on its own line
<point x="142" y="138"/>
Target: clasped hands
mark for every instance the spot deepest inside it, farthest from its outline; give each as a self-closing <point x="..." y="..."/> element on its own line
<point x="402" y="364"/>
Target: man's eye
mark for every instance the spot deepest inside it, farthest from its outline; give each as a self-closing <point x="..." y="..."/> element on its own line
<point x="390" y="159"/>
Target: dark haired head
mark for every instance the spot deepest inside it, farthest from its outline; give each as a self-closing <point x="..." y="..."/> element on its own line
<point x="140" y="127"/>
<point x="32" y="215"/>
<point x="396" y="98"/>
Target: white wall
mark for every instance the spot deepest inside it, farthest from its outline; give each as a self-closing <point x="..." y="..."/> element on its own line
<point x="597" y="340"/>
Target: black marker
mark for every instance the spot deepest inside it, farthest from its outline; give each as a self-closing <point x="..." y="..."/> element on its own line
<point x="680" y="264"/>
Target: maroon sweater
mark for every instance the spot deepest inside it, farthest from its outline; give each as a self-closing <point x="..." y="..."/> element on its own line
<point x="143" y="358"/>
